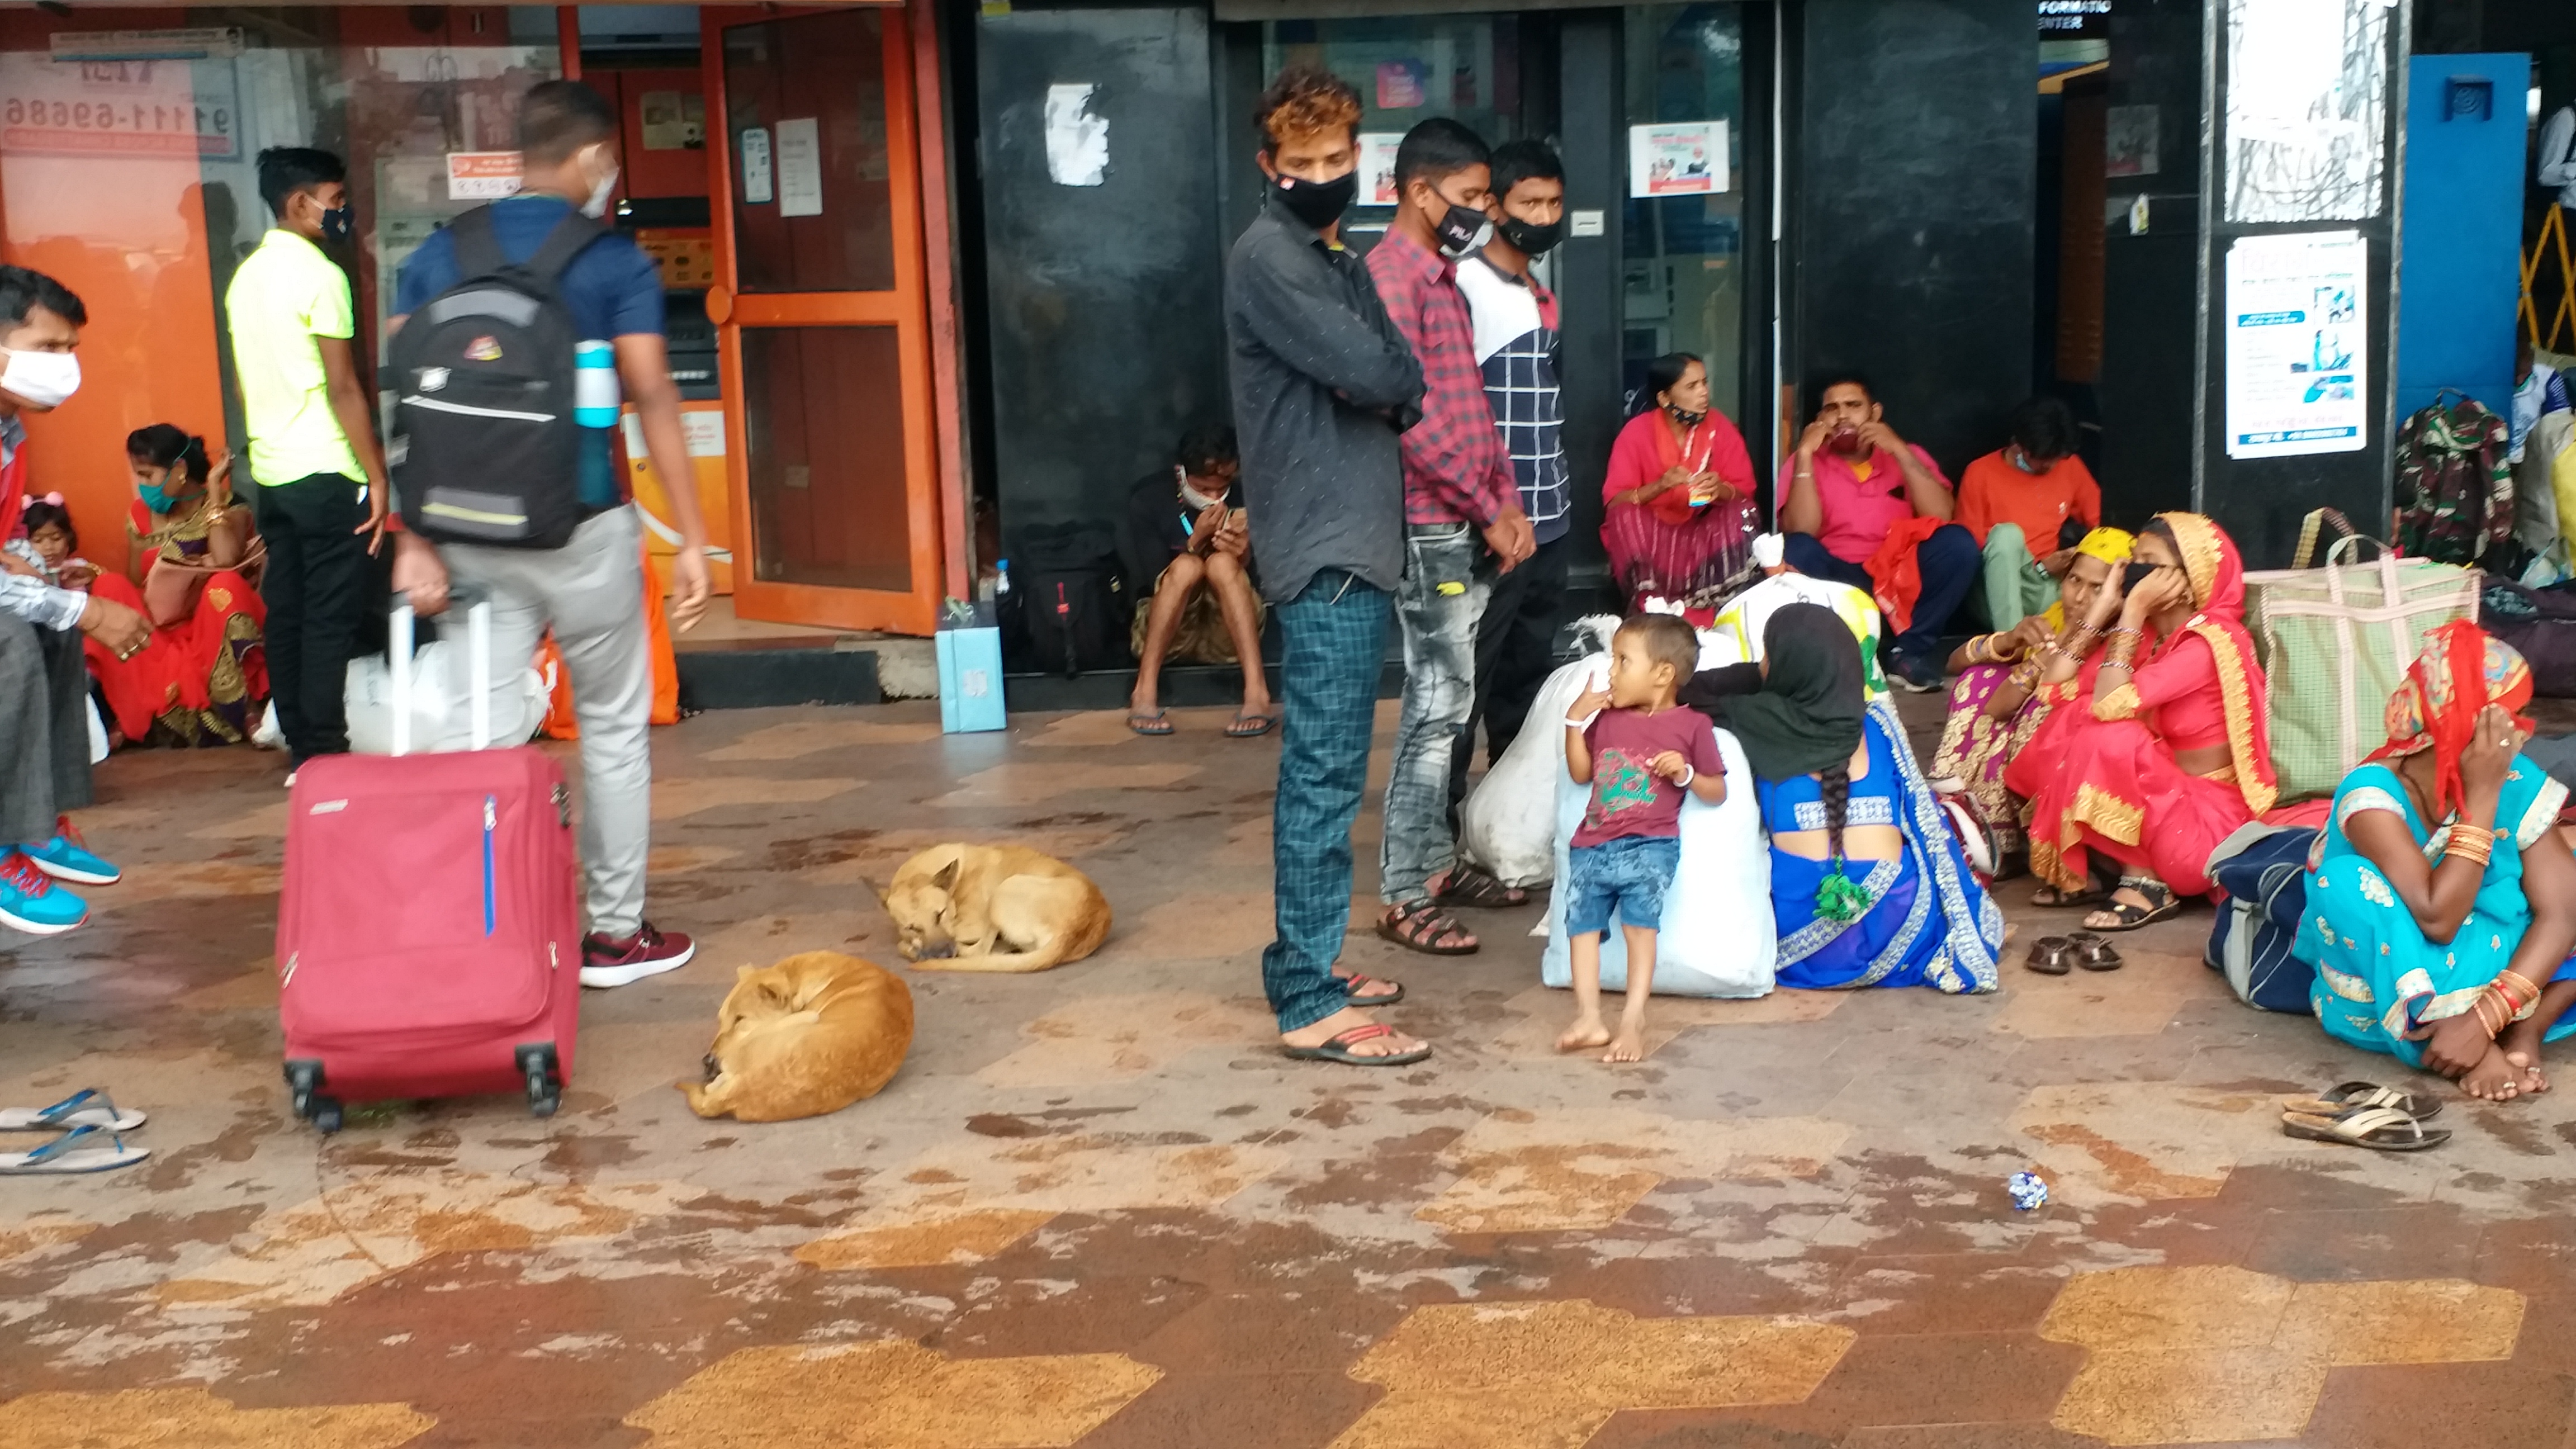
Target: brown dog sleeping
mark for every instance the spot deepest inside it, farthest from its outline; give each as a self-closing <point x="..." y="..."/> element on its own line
<point x="963" y="907"/>
<point x="807" y="1036"/>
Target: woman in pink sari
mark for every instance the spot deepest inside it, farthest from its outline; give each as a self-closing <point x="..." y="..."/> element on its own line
<point x="2171" y="757"/>
<point x="1679" y="493"/>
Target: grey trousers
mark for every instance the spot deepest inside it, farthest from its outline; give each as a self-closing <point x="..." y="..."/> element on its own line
<point x="591" y="593"/>
<point x="44" y="734"/>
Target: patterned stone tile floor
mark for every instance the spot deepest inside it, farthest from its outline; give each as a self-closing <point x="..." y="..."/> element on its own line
<point x="1097" y="1209"/>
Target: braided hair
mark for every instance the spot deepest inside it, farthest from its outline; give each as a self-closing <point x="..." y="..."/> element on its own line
<point x="1834" y="784"/>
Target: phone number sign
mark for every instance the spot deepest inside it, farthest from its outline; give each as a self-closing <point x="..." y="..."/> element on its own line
<point x="118" y="108"/>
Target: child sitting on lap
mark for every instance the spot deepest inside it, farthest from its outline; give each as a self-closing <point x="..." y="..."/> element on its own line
<point x="1639" y="751"/>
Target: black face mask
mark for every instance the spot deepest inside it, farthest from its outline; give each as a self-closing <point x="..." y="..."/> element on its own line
<point x="1317" y="203"/>
<point x="337" y="223"/>
<point x="1531" y="238"/>
<point x="2134" y="575"/>
<point x="1687" y="418"/>
<point x="1462" y="229"/>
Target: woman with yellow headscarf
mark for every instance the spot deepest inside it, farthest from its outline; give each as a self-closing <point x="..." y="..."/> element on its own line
<point x="2000" y="700"/>
<point x="2442" y="907"/>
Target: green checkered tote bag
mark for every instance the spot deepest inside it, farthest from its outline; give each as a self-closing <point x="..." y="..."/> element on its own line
<point x="2335" y="642"/>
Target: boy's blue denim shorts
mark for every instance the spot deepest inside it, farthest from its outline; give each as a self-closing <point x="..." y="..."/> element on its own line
<point x="1629" y="873"/>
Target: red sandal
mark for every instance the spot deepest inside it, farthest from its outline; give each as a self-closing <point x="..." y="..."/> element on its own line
<point x="1352" y="983"/>
<point x="1338" y="1049"/>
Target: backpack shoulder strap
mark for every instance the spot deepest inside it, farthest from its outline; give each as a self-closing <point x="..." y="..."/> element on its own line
<point x="561" y="245"/>
<point x="478" y="246"/>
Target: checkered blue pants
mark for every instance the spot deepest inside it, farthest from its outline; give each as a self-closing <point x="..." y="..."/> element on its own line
<point x="1333" y="640"/>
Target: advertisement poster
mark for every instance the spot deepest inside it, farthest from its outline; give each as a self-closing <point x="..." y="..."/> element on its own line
<point x="1077" y="137"/>
<point x="482" y="175"/>
<point x="1377" y="167"/>
<point x="2129" y="141"/>
<point x="755" y="165"/>
<point x="111" y="108"/>
<point x="800" y="167"/>
<point x="2298" y="348"/>
<point x="1402" y="84"/>
<point x="1677" y="158"/>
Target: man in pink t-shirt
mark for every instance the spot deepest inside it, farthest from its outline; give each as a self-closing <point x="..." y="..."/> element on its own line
<point x="1850" y="483"/>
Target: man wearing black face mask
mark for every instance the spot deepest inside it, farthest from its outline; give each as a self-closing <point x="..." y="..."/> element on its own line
<point x="320" y="502"/>
<point x="1460" y="501"/>
<point x="1323" y="383"/>
<point x="1517" y="348"/>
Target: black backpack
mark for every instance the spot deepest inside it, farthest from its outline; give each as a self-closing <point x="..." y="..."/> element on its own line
<point x="1071" y="610"/>
<point x="486" y="447"/>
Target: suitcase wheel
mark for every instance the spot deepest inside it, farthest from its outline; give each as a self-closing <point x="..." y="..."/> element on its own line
<point x="326" y="1114"/>
<point x="545" y="1079"/>
<point x="303" y="1079"/>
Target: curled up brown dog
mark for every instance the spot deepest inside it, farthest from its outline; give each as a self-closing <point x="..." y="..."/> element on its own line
<point x="963" y="907"/>
<point x="807" y="1036"/>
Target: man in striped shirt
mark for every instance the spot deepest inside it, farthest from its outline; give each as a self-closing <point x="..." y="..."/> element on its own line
<point x="1459" y="503"/>
<point x="1517" y="348"/>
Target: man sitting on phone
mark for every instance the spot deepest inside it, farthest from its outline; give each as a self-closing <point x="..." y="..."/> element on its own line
<point x="1187" y="543"/>
<point x="1851" y="486"/>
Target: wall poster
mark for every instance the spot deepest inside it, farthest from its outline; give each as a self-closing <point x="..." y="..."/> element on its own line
<point x="2298" y="350"/>
<point x="1677" y="158"/>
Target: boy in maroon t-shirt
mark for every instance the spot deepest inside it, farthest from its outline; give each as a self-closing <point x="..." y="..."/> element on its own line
<point x="1639" y="751"/>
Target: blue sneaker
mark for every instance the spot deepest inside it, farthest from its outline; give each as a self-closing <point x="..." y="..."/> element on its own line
<point x="67" y="857"/>
<point x="31" y="902"/>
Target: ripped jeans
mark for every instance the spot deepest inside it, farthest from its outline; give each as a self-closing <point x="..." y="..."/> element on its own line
<point x="1447" y="577"/>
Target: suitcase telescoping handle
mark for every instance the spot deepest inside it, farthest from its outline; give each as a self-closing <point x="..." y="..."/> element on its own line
<point x="478" y="665"/>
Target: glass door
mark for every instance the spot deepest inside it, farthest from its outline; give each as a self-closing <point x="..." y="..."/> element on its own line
<point x="824" y="333"/>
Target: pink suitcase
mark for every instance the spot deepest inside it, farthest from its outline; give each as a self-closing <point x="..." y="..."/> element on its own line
<point x="429" y="936"/>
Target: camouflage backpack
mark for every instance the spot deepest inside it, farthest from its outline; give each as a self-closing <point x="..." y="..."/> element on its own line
<point x="2454" y="492"/>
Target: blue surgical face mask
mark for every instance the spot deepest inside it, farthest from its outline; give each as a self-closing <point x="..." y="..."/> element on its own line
<point x="156" y="496"/>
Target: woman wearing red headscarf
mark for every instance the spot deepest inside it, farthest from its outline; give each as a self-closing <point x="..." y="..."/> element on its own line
<point x="2442" y="902"/>
<point x="2172" y="757"/>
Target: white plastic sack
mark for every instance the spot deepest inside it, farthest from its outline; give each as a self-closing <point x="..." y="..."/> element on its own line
<point x="97" y="733"/>
<point x="1741" y="623"/>
<point x="439" y="720"/>
<point x="1507" y="824"/>
<point x="1717" y="937"/>
<point x="268" y="736"/>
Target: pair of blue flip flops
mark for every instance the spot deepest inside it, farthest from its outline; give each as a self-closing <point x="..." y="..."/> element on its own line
<point x="91" y="1136"/>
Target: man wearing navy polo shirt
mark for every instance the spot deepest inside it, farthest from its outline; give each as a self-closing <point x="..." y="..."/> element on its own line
<point x="590" y="591"/>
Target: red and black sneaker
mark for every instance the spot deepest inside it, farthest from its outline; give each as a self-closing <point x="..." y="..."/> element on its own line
<point x="614" y="961"/>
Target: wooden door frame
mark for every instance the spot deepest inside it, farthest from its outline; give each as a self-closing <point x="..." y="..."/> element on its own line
<point x="906" y="308"/>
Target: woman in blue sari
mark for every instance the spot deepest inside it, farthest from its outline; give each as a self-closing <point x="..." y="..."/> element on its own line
<point x="2441" y="899"/>
<point x="1867" y="881"/>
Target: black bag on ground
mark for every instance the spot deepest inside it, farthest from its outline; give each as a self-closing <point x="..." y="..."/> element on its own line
<point x="486" y="447"/>
<point x="2541" y="625"/>
<point x="1070" y="612"/>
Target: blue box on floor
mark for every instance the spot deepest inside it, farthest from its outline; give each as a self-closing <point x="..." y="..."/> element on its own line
<point x="970" y="668"/>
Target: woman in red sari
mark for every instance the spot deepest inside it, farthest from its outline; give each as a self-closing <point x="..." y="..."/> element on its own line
<point x="1678" y="496"/>
<point x="2172" y="757"/>
<point x="193" y="562"/>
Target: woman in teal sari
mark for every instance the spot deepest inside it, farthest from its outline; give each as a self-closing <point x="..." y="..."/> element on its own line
<point x="2441" y="900"/>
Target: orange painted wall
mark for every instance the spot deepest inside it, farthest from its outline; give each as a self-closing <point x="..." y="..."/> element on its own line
<point x="128" y="235"/>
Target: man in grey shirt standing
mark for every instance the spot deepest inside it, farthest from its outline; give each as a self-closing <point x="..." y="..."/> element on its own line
<point x="1323" y="383"/>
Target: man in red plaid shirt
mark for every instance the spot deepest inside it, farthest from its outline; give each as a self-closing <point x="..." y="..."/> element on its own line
<point x="1462" y="522"/>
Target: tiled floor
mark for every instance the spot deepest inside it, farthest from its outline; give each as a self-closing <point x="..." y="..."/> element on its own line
<point x="1097" y="1209"/>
